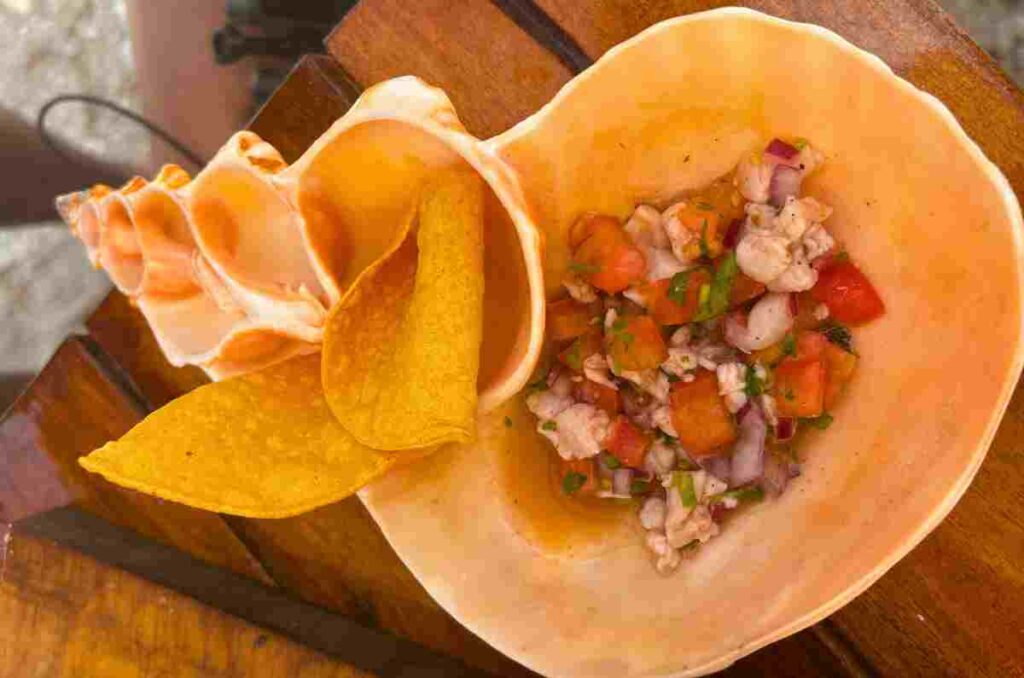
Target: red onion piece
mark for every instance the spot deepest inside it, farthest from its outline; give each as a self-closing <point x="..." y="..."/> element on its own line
<point x="780" y="149"/>
<point x="775" y="476"/>
<point x="785" y="429"/>
<point x="622" y="479"/>
<point x="748" y="453"/>
<point x="718" y="466"/>
<point x="732" y="234"/>
<point x="785" y="184"/>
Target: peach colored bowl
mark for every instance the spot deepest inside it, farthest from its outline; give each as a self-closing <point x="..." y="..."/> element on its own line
<point x="569" y="590"/>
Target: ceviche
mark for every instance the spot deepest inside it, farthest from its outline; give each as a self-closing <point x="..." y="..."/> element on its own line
<point x="695" y="342"/>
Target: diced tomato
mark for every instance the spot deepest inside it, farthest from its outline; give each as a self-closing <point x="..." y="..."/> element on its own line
<point x="799" y="388"/>
<point x="700" y="416"/>
<point x="581" y="348"/>
<point x="584" y="467"/>
<point x="809" y="346"/>
<point x="849" y="295"/>
<point x="606" y="256"/>
<point x="664" y="308"/>
<point x="599" y="395"/>
<point x="839" y="368"/>
<point x="568" y="319"/>
<point x="744" y="288"/>
<point x="805" y="308"/>
<point x="634" y="343"/>
<point x="588" y="224"/>
<point x="627" y="442"/>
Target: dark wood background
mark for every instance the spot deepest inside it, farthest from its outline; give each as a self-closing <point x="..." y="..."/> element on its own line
<point x="954" y="606"/>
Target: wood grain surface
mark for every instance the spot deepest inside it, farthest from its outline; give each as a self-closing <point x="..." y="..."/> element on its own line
<point x="63" y="614"/>
<point x="955" y="606"/>
<point x="74" y="406"/>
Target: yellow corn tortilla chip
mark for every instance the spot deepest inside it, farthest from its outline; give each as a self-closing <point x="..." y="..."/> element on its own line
<point x="402" y="349"/>
<point x="263" y="445"/>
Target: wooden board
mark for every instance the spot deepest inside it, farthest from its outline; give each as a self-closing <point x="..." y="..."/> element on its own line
<point x="64" y="614"/>
<point x="74" y="406"/>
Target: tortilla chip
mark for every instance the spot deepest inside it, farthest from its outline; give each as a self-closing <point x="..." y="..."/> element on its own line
<point x="263" y="445"/>
<point x="402" y="349"/>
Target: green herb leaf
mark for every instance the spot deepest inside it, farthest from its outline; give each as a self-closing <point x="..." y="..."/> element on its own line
<point x="508" y="422"/>
<point x="714" y="298"/>
<point x="639" y="487"/>
<point x="800" y="143"/>
<point x="584" y="268"/>
<point x="742" y="494"/>
<point x="821" y="422"/>
<point x="573" y="358"/>
<point x="687" y="492"/>
<point x="619" y="324"/>
<point x="549" y="426"/>
<point x="677" y="287"/>
<point x="788" y="394"/>
<point x="610" y="461"/>
<point x="841" y="257"/>
<point x="788" y="345"/>
<point x="839" y="335"/>
<point x="706" y="206"/>
<point x="671" y="377"/>
<point x="753" y="385"/>
<point x="704" y="251"/>
<point x="573" y="481"/>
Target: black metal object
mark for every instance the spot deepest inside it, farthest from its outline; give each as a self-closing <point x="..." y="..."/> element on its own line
<point x="276" y="28"/>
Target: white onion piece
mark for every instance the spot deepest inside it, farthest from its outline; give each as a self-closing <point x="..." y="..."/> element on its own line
<point x="748" y="453"/>
<point x="768" y="322"/>
<point x="622" y="479"/>
<point x="785" y="184"/>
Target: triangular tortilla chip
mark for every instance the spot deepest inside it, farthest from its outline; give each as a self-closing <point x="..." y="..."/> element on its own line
<point x="402" y="350"/>
<point x="263" y="445"/>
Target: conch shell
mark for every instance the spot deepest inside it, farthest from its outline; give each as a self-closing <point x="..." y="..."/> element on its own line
<point x="238" y="267"/>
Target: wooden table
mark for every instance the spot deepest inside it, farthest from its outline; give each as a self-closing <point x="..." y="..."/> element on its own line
<point x="954" y="606"/>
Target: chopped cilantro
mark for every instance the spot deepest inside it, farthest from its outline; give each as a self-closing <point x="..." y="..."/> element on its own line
<point x="788" y="345"/>
<point x="788" y="394"/>
<point x="821" y="422"/>
<point x="713" y="299"/>
<point x="639" y="487"/>
<point x="706" y="206"/>
<point x="684" y="464"/>
<point x="620" y="333"/>
<point x="572" y="357"/>
<point x="508" y="422"/>
<point x="839" y="335"/>
<point x="549" y="426"/>
<point x="800" y="143"/>
<point x="704" y="251"/>
<point x="610" y="460"/>
<point x="687" y="492"/>
<point x="741" y="494"/>
<point x="573" y="481"/>
<point x="581" y="267"/>
<point x="671" y="377"/>
<point x="540" y="383"/>
<point x="753" y="384"/>
<point x="677" y="287"/>
<point x="841" y="257"/>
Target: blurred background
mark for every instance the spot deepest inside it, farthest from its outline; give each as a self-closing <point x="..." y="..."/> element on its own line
<point x="196" y="68"/>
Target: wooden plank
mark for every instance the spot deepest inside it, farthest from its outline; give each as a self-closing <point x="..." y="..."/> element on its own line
<point x="955" y="605"/>
<point x="74" y="406"/>
<point x="64" y="614"/>
<point x="357" y="646"/>
<point x="920" y="41"/>
<point x="493" y="71"/>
